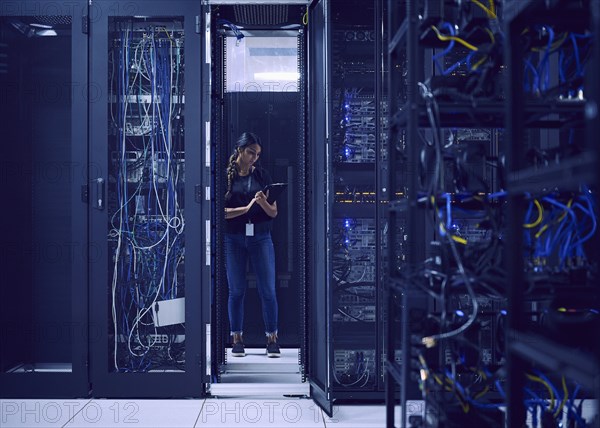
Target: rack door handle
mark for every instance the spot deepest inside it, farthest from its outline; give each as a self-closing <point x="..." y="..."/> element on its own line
<point x="99" y="189"/>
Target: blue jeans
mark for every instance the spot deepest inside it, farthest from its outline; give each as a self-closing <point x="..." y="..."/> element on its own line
<point x="259" y="249"/>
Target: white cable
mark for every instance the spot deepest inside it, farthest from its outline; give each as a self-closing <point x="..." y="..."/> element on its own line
<point x="349" y="384"/>
<point x="175" y="222"/>
<point x="119" y="242"/>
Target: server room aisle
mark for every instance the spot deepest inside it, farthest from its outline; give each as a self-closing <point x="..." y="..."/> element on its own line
<point x="264" y="412"/>
<point x="257" y="375"/>
<point x="254" y="391"/>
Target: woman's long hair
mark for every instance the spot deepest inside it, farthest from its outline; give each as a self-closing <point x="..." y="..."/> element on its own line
<point x="245" y="140"/>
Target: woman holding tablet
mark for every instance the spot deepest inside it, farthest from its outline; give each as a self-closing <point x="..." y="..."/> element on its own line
<point x="249" y="215"/>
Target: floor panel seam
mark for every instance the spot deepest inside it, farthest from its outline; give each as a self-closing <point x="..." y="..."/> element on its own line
<point x="199" y="413"/>
<point x="80" y="410"/>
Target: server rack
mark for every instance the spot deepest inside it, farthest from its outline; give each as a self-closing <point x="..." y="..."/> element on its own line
<point x="43" y="105"/>
<point x="147" y="205"/>
<point x="276" y="113"/>
<point x="401" y="43"/>
<point x="319" y="291"/>
<point x="548" y="346"/>
<point x="443" y="138"/>
<point x="548" y="108"/>
<point x="356" y="155"/>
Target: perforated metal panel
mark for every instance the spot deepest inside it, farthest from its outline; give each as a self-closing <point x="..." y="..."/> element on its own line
<point x="3" y="58"/>
<point x="263" y="14"/>
<point x="52" y="20"/>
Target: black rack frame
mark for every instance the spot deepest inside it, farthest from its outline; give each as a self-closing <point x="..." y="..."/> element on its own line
<point x="516" y="116"/>
<point x="524" y="347"/>
<point x="343" y="334"/>
<point x="400" y="300"/>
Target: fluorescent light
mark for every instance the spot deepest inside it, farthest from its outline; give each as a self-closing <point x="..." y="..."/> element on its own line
<point x="253" y="2"/>
<point x="278" y="76"/>
<point x="48" y="27"/>
<point x="42" y="33"/>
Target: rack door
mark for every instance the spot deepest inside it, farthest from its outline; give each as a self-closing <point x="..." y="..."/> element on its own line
<point x="43" y="290"/>
<point x="320" y="351"/>
<point x="147" y="221"/>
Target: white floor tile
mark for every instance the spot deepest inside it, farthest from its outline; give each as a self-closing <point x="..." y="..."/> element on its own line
<point x="242" y="388"/>
<point x="262" y="378"/>
<point x="24" y="413"/>
<point x="107" y="413"/>
<point x="366" y="416"/>
<point x="264" y="413"/>
<point x="256" y="361"/>
<point x="213" y="412"/>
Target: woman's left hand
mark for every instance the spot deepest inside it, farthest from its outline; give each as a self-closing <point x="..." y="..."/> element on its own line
<point x="269" y="208"/>
<point x="260" y="196"/>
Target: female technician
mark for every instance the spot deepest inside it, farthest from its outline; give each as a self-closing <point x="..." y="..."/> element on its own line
<point x="248" y="216"/>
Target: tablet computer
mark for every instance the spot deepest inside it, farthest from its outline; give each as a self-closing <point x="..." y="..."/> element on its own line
<point x="274" y="190"/>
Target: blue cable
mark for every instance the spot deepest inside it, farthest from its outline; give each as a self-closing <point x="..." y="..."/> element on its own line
<point x="454" y="66"/>
<point x="497" y="195"/>
<point x="448" y="48"/>
<point x="591" y="214"/>
<point x="526" y="233"/>
<point x="534" y="84"/>
<point x="233" y="27"/>
<point x="545" y="378"/>
<point x="574" y="413"/>
<point x="561" y="72"/>
<point x="468" y="61"/>
<point x="448" y="211"/>
<point x="542" y="65"/>
<point x="576" y="51"/>
<point x="536" y="398"/>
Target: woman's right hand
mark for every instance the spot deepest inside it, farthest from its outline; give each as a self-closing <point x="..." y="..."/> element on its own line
<point x="231" y="213"/>
<point x="250" y="204"/>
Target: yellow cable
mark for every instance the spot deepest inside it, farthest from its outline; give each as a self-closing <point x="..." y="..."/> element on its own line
<point x="478" y="63"/>
<point x="491" y="35"/>
<point x="482" y="60"/>
<point x="465" y="406"/>
<point x="484" y="376"/>
<point x="558" y="220"/>
<point x="458" y="39"/>
<point x="564" y="400"/>
<point x="542" y="381"/>
<point x="443" y="227"/>
<point x="490" y="13"/>
<point x="459" y="239"/>
<point x="482" y="393"/>
<point x="554" y="45"/>
<point x="455" y="238"/>
<point x="540" y="215"/>
<point x="305" y="17"/>
<point x="563" y="215"/>
<point x="492" y="8"/>
<point x="557" y="44"/>
<point x="542" y="230"/>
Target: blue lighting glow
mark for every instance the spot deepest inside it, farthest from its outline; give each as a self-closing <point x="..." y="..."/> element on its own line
<point x="460" y="313"/>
